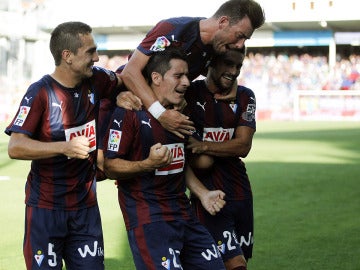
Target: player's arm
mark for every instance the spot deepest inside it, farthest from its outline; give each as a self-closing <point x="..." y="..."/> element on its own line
<point x="212" y="200"/>
<point x="239" y="146"/>
<point x="118" y="168"/>
<point x="134" y="80"/>
<point x="21" y="146"/>
<point x="132" y="76"/>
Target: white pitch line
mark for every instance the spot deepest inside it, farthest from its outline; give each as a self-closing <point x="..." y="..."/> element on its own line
<point x="4" y="178"/>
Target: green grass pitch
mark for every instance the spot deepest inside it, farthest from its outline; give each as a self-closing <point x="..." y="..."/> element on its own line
<point x="306" y="183"/>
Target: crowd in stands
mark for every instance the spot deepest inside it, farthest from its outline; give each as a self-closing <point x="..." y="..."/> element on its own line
<point x="288" y="72"/>
<point x="272" y="76"/>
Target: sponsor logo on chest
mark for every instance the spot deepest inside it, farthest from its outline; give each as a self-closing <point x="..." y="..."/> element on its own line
<point x="217" y="134"/>
<point x="88" y="130"/>
<point x="177" y="164"/>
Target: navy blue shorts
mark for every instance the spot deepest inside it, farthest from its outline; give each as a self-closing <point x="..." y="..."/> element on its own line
<point x="174" y="245"/>
<point x="232" y="228"/>
<point x="52" y="236"/>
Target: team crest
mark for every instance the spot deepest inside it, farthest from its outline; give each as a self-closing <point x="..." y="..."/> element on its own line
<point x="221" y="247"/>
<point x="165" y="263"/>
<point x="233" y="106"/>
<point x="91" y="97"/>
<point x="39" y="257"/>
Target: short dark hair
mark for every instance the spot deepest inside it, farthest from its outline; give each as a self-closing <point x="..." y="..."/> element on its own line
<point x="237" y="9"/>
<point x="65" y="36"/>
<point x="160" y="61"/>
<point x="220" y="57"/>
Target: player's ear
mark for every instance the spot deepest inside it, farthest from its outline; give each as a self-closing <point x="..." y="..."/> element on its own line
<point x="223" y="22"/>
<point x="156" y="77"/>
<point x="66" y="56"/>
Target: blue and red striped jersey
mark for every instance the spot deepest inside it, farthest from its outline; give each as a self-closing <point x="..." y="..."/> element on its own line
<point x="182" y="32"/>
<point x="151" y="196"/>
<point x="216" y="121"/>
<point x="50" y="112"/>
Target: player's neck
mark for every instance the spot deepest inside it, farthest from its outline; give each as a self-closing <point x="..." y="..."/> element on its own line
<point x="207" y="27"/>
<point x="215" y="89"/>
<point x="210" y="85"/>
<point x="64" y="77"/>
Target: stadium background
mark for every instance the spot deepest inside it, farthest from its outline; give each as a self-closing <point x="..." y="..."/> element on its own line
<point x="299" y="63"/>
<point x="304" y="174"/>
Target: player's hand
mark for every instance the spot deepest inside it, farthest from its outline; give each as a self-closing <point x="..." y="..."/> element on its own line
<point x="78" y="147"/>
<point x="177" y="123"/>
<point x="213" y="201"/>
<point x="159" y="156"/>
<point x="197" y="147"/>
<point x="128" y="100"/>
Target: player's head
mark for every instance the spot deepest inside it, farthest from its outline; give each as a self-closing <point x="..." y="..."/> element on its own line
<point x="237" y="20"/>
<point x="166" y="73"/>
<point x="67" y="36"/>
<point x="224" y="70"/>
<point x="236" y="10"/>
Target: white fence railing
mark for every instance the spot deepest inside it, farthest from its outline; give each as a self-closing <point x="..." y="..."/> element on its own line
<point x="334" y="105"/>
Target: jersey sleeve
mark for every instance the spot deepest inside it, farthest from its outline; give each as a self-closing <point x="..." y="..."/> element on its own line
<point x="30" y="112"/>
<point x="157" y="39"/>
<point x="120" y="134"/>
<point x="247" y="107"/>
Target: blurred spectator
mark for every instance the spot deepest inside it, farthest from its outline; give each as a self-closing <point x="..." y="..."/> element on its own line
<point x="284" y="72"/>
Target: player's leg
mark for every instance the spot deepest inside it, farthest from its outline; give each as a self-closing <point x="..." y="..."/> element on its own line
<point x="223" y="230"/>
<point x="84" y="247"/>
<point x="244" y="226"/>
<point x="157" y="246"/>
<point x="43" y="239"/>
<point x="200" y="251"/>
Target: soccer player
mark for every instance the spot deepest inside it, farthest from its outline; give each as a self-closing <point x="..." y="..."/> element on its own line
<point x="55" y="127"/>
<point x="224" y="130"/>
<point x="231" y="25"/>
<point x="149" y="164"/>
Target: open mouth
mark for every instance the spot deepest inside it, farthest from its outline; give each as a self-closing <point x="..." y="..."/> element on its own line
<point x="229" y="78"/>
<point x="180" y="92"/>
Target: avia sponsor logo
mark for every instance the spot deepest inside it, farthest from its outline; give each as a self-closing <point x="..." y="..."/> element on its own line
<point x="114" y="140"/>
<point x="160" y="44"/>
<point x="21" y="117"/>
<point x="88" y="130"/>
<point x="218" y="134"/>
<point x="96" y="251"/>
<point x="177" y="164"/>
